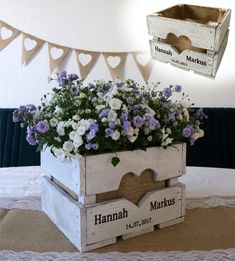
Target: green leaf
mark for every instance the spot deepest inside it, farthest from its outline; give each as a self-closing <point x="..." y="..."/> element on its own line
<point x="39" y="148"/>
<point x="115" y="161"/>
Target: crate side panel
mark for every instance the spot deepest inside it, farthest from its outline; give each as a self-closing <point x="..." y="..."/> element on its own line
<point x="189" y="60"/>
<point x="62" y="210"/>
<point x="201" y="36"/>
<point x="68" y="173"/>
<point x="121" y="217"/>
<point x="101" y="176"/>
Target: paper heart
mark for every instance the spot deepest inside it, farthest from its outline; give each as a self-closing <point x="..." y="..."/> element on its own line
<point x="29" y="44"/>
<point x="142" y="59"/>
<point x="84" y="58"/>
<point x="6" y="33"/>
<point x="114" y="61"/>
<point x="56" y="53"/>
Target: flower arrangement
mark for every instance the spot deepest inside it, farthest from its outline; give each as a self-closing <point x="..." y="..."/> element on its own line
<point x="78" y="119"/>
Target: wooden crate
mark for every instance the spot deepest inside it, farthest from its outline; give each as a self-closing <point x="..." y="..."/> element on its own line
<point x="203" y="63"/>
<point x="92" y="202"/>
<point x="194" y="31"/>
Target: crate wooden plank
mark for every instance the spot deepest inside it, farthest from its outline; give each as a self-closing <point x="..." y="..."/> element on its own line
<point x="63" y="211"/>
<point x="120" y="217"/>
<point x="200" y="63"/>
<point x="171" y="222"/>
<point x="204" y="26"/>
<point x="102" y="177"/>
<point x="71" y="173"/>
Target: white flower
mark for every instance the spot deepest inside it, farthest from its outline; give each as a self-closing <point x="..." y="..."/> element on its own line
<point x="186" y="114"/>
<point x="75" y="125"/>
<point x="116" y="135"/>
<point x="124" y="108"/>
<point x="68" y="123"/>
<point x="146" y="131"/>
<point x="77" y="156"/>
<point x="82" y="95"/>
<point x="85" y="123"/>
<point x="112" y="116"/>
<point x="118" y="122"/>
<point x="150" y="111"/>
<point x="68" y="146"/>
<point x="164" y="134"/>
<point x="168" y="130"/>
<point x="114" y="90"/>
<point x="58" y="109"/>
<point x="132" y="138"/>
<point x="72" y="135"/>
<point x="99" y="107"/>
<point x="81" y="130"/>
<point x="76" y="117"/>
<point x="77" y="141"/>
<point x="130" y="132"/>
<point x="115" y="104"/>
<point x="59" y="153"/>
<point x="179" y="117"/>
<point x="104" y="119"/>
<point x="167" y="141"/>
<point x="198" y="134"/>
<point x="107" y="97"/>
<point x="60" y="128"/>
<point x="57" y="139"/>
<point x="53" y="122"/>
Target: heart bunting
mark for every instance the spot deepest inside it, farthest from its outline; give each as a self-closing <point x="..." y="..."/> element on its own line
<point x="7" y="34"/>
<point x="144" y="64"/>
<point x="86" y="60"/>
<point x="57" y="54"/>
<point x="115" y="63"/>
<point x="30" y="46"/>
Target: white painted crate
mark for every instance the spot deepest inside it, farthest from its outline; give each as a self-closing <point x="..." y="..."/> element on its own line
<point x="194" y="31"/>
<point x="95" y="174"/>
<point x="206" y="64"/>
<point x="89" y="224"/>
<point x="99" y="224"/>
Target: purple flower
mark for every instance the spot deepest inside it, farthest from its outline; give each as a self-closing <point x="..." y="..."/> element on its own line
<point x="21" y="109"/>
<point x="136" y="107"/>
<point x="42" y="126"/>
<point x="138" y="121"/>
<point x="94" y="126"/>
<point x="31" y="107"/>
<point x="153" y="124"/>
<point x="167" y="92"/>
<point x="171" y="116"/>
<point x="200" y="114"/>
<point x="88" y="146"/>
<point x="90" y="85"/>
<point x="31" y="140"/>
<point x="175" y="123"/>
<point x="109" y="132"/>
<point x="187" y="131"/>
<point x="119" y="84"/>
<point x="62" y="78"/>
<point x="112" y="124"/>
<point x="178" y="88"/>
<point x="104" y="113"/>
<point x="95" y="146"/>
<point x="91" y="134"/>
<point x="124" y="117"/>
<point x="126" y="126"/>
<point x="72" y="77"/>
<point x="73" y="90"/>
<point x="16" y="117"/>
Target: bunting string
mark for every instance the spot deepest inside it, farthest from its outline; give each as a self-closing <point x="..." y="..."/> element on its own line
<point x="86" y="59"/>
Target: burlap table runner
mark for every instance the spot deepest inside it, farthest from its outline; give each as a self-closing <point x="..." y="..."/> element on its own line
<point x="204" y="229"/>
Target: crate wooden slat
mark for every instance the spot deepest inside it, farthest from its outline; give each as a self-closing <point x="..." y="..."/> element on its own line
<point x="92" y="175"/>
<point x="206" y="64"/>
<point x="98" y="225"/>
<point x="204" y="26"/>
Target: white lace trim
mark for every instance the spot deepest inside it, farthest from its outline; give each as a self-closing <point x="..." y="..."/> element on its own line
<point x="34" y="203"/>
<point x="215" y="255"/>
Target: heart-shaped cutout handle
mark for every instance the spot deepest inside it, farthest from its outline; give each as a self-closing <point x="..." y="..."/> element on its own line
<point x="56" y="53"/>
<point x="30" y="44"/>
<point x="6" y="33"/>
<point x="113" y="61"/>
<point x="84" y="58"/>
<point x="143" y="59"/>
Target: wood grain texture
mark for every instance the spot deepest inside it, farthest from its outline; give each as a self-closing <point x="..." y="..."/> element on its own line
<point x="204" y="26"/>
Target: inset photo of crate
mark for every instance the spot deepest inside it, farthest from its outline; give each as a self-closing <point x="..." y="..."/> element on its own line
<point x="92" y="202"/>
<point x="190" y="37"/>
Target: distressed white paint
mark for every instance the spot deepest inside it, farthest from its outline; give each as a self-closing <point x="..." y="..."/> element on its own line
<point x="179" y="59"/>
<point x="58" y="21"/>
<point x="171" y="222"/>
<point x="96" y="232"/>
<point x="95" y="174"/>
<point x="203" y="36"/>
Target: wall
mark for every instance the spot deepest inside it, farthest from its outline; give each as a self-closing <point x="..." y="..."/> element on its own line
<point x="100" y="25"/>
